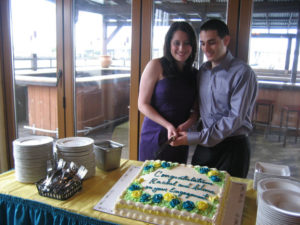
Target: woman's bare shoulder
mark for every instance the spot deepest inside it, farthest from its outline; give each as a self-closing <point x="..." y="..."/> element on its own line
<point x="154" y="63"/>
<point x="154" y="69"/>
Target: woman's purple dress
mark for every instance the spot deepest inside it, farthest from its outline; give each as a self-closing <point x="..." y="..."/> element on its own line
<point x="173" y="98"/>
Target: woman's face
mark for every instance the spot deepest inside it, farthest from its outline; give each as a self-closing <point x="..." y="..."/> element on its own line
<point x="181" y="48"/>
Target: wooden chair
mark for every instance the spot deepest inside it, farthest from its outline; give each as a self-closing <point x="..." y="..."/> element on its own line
<point x="265" y="103"/>
<point x="289" y="109"/>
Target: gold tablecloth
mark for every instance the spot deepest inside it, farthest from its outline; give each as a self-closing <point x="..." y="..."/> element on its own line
<point x="95" y="188"/>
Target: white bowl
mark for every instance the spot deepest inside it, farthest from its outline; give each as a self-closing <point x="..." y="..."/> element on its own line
<point x="276" y="183"/>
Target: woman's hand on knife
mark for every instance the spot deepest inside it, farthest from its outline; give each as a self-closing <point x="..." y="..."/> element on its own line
<point x="181" y="139"/>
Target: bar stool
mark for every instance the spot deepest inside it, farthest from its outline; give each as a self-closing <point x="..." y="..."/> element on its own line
<point x="289" y="109"/>
<point x="265" y="103"/>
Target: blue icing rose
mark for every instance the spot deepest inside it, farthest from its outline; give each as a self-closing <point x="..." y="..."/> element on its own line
<point x="204" y="170"/>
<point x="157" y="198"/>
<point x="148" y="167"/>
<point x="165" y="164"/>
<point x="134" y="187"/>
<point x="145" y="197"/>
<point x="215" y="178"/>
<point x="188" y="205"/>
<point x="174" y="202"/>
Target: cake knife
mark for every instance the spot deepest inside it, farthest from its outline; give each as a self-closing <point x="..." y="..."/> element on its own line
<point x="163" y="146"/>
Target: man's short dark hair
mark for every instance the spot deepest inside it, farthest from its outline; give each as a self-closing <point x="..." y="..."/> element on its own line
<point x="216" y="24"/>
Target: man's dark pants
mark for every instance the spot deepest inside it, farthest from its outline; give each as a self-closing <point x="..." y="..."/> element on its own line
<point x="232" y="155"/>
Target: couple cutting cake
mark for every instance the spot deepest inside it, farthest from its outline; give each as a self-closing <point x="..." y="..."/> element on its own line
<point x="219" y="97"/>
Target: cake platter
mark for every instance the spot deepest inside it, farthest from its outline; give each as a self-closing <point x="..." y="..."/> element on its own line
<point x="233" y="212"/>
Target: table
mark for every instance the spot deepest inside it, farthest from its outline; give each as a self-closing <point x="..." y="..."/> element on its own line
<point x="21" y="204"/>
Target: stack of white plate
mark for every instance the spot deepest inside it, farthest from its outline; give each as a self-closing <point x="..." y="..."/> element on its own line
<point x="265" y="170"/>
<point x="278" y="207"/>
<point x="277" y="183"/>
<point x="30" y="156"/>
<point x="78" y="150"/>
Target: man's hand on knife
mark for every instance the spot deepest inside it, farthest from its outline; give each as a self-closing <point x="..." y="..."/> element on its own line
<point x="181" y="139"/>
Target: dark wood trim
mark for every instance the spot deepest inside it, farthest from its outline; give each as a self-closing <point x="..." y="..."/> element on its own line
<point x="60" y="67"/>
<point x="147" y="12"/>
<point x="68" y="60"/>
<point x="5" y="157"/>
<point x="134" y="80"/>
<point x="245" y="16"/>
<point x="232" y="23"/>
<point x="8" y="80"/>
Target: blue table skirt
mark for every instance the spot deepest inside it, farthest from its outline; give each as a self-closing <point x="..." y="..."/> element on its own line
<point x="18" y="211"/>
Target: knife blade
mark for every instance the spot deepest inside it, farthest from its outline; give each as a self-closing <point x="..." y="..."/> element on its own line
<point x="163" y="146"/>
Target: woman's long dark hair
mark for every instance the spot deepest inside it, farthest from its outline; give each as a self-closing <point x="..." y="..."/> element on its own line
<point x="170" y="68"/>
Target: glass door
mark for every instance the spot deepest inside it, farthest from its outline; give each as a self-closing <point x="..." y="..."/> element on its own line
<point x="34" y="67"/>
<point x="102" y="51"/>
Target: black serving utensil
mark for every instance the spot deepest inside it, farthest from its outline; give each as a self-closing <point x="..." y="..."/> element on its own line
<point x="163" y="146"/>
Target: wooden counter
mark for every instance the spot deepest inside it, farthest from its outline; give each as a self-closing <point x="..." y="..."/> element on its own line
<point x="98" y="99"/>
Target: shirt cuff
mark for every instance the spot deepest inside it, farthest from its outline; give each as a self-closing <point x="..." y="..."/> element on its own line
<point x="193" y="138"/>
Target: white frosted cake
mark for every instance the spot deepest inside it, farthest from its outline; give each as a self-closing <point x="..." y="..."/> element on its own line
<point x="171" y="193"/>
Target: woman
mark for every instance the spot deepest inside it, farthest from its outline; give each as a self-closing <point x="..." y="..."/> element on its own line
<point x="167" y="95"/>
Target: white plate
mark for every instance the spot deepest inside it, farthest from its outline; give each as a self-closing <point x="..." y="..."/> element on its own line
<point x="88" y="157"/>
<point x="278" y="207"/>
<point x="42" y="154"/>
<point x="272" y="169"/>
<point x="24" y="179"/>
<point x="278" y="183"/>
<point x="32" y="141"/>
<point x="74" y="153"/>
<point x="74" y="142"/>
<point x="283" y="202"/>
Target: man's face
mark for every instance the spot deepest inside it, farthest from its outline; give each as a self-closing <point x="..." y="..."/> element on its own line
<point x="213" y="46"/>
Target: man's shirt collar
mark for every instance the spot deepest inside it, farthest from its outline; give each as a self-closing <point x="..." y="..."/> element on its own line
<point x="224" y="64"/>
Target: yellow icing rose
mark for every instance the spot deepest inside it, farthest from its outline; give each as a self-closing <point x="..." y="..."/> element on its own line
<point x="168" y="196"/>
<point x="213" y="173"/>
<point x="140" y="180"/>
<point x="202" y="205"/>
<point x="157" y="164"/>
<point x="213" y="198"/>
<point x="136" y="194"/>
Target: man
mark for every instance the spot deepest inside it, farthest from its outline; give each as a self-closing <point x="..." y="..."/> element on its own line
<point x="227" y="93"/>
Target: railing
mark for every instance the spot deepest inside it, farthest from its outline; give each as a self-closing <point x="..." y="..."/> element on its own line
<point x="34" y="63"/>
<point x="276" y="75"/>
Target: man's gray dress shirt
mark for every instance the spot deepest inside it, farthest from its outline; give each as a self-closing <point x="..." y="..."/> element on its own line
<point x="227" y="95"/>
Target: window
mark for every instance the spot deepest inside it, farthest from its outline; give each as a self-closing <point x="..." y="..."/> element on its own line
<point x="273" y="53"/>
<point x="34" y="60"/>
<point x="102" y="49"/>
